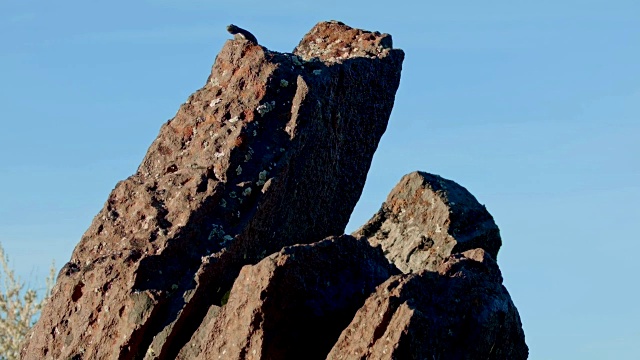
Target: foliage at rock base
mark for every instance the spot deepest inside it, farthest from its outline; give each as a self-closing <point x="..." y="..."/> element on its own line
<point x="19" y="308"/>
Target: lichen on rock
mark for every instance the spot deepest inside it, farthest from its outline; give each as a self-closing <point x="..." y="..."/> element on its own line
<point x="228" y="240"/>
<point x="163" y="265"/>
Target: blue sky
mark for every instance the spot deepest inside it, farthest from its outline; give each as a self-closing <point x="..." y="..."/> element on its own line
<point x="533" y="106"/>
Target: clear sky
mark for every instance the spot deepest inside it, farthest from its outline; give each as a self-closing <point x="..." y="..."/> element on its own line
<point x="533" y="106"/>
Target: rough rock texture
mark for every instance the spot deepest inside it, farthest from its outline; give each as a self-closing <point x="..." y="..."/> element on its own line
<point x="294" y="304"/>
<point x="462" y="311"/>
<point x="425" y="219"/>
<point x="272" y="151"/>
<point x="227" y="242"/>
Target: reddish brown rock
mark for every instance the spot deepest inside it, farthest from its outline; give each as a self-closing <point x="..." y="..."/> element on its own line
<point x="272" y="151"/>
<point x="294" y="304"/>
<point x="425" y="219"/>
<point x="460" y="312"/>
<point x="213" y="248"/>
<point x="334" y="41"/>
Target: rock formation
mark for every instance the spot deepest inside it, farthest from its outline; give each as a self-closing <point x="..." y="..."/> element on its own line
<point x="462" y="311"/>
<point x="425" y="219"/>
<point x="228" y="240"/>
<point x="294" y="304"/>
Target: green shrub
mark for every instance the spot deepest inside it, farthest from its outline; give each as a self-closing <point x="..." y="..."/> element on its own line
<point x="19" y="308"/>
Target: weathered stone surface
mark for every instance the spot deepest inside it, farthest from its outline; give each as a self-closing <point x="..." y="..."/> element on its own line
<point x="214" y="248"/>
<point x="425" y="219"/>
<point x="294" y="304"/>
<point x="272" y="151"/>
<point x="460" y="312"/>
<point x="333" y="41"/>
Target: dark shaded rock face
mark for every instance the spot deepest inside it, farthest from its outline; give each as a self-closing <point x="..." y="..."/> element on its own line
<point x="272" y="151"/>
<point x="294" y="304"/>
<point x="227" y="243"/>
<point x="425" y="219"/>
<point x="462" y="311"/>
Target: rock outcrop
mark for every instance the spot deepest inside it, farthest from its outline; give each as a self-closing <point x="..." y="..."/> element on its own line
<point x="272" y="151"/>
<point x="228" y="240"/>
<point x="462" y="311"/>
<point x="445" y="243"/>
<point x="425" y="219"/>
<point x="294" y="304"/>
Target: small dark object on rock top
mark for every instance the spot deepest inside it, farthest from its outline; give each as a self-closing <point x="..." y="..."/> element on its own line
<point x="241" y="34"/>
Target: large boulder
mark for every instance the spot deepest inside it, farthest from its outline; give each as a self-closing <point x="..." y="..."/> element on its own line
<point x="425" y="219"/>
<point x="460" y="312"/>
<point x="272" y="151"/>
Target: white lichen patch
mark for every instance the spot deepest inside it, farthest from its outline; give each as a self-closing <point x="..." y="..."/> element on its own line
<point x="233" y="119"/>
<point x="266" y="107"/>
<point x="219" y="154"/>
<point x="215" y="102"/>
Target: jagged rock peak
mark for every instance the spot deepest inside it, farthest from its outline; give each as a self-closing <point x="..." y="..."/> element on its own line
<point x="272" y="151"/>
